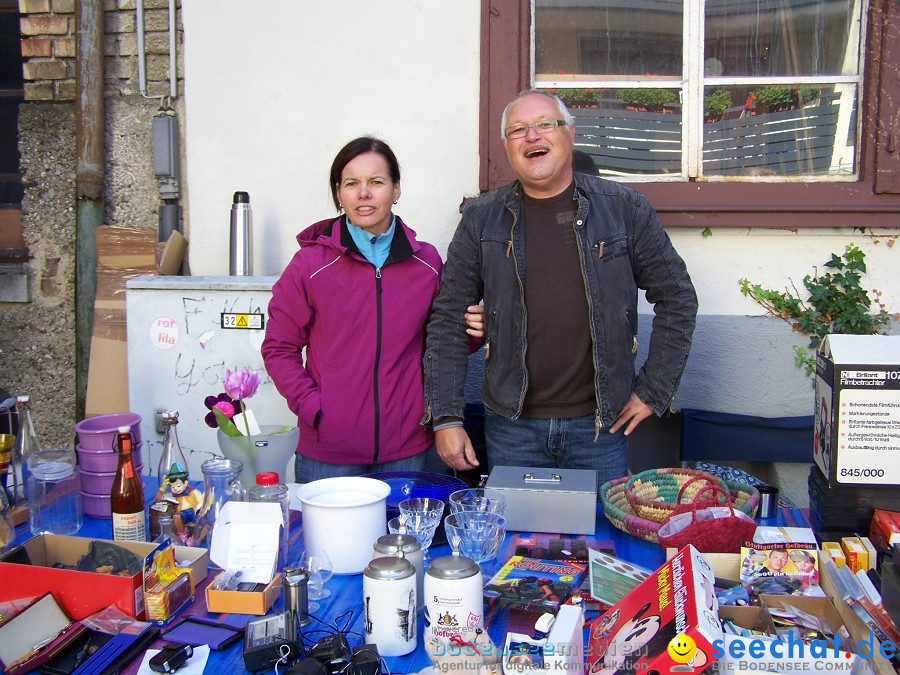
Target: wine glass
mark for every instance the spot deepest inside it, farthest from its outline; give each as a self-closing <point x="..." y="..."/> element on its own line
<point x="318" y="564"/>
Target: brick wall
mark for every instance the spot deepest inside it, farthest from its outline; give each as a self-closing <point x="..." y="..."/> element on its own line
<point x="48" y="48"/>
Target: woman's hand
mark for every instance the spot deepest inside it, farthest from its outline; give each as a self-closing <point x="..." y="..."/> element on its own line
<point x="474" y="317"/>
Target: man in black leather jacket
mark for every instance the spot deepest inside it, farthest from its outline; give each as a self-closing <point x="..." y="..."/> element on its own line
<point x="558" y="258"/>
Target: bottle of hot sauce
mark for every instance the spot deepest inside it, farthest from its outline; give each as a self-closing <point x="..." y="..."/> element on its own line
<point x="127" y="494"/>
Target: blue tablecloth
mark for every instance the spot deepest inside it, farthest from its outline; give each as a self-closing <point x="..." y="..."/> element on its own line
<point x="343" y="609"/>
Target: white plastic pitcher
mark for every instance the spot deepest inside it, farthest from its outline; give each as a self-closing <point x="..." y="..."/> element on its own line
<point x="344" y="516"/>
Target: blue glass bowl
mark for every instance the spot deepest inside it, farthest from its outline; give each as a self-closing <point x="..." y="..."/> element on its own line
<point x="410" y="484"/>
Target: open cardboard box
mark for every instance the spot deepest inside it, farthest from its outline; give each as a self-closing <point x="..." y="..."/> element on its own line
<point x="246" y="537"/>
<point x="82" y="593"/>
<point x="728" y="566"/>
<point x="244" y="602"/>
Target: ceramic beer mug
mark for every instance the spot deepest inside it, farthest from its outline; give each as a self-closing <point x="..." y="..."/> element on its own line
<point x="454" y="605"/>
<point x="407" y="546"/>
<point x="389" y="605"/>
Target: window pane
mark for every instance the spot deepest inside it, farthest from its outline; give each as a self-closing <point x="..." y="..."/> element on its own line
<point x="607" y="39"/>
<point x="630" y="132"/>
<point x="760" y="38"/>
<point x="779" y="130"/>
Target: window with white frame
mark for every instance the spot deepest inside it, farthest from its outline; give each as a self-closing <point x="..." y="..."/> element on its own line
<point x="706" y="89"/>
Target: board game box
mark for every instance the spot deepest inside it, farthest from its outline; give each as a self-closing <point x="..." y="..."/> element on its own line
<point x="634" y="635"/>
<point x="532" y="584"/>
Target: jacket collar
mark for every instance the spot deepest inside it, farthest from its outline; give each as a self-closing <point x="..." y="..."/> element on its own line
<point x="333" y="232"/>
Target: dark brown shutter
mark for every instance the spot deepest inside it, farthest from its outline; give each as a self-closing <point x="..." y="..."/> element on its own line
<point x="887" y="138"/>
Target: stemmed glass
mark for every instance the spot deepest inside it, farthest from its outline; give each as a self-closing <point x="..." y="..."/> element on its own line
<point x="421" y="517"/>
<point x="318" y="564"/>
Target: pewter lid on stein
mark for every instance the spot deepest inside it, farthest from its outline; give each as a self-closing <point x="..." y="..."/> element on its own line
<point x="389" y="544"/>
<point x="453" y="567"/>
<point x="389" y="568"/>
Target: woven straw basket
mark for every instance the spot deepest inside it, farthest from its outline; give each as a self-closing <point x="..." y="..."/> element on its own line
<point x="644" y="523"/>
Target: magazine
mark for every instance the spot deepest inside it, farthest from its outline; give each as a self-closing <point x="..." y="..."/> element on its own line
<point x="780" y="560"/>
<point x="532" y="584"/>
<point x="563" y="548"/>
<point x="612" y="579"/>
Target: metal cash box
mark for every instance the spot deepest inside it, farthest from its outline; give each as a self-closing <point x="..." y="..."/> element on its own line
<point x="559" y="501"/>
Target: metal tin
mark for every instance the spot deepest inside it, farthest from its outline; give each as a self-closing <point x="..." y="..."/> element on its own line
<point x="561" y="501"/>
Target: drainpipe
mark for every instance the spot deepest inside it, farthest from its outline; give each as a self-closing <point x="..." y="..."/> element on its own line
<point x="89" y="124"/>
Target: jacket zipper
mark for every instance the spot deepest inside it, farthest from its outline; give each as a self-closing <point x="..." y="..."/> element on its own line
<point x="598" y="423"/>
<point x="511" y="248"/>
<point x="378" y="331"/>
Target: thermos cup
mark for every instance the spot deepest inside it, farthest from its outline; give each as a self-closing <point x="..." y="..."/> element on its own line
<point x="294" y="593"/>
<point x="389" y="605"/>
<point x="240" y="259"/>
<point x="454" y="605"/>
<point x="407" y="546"/>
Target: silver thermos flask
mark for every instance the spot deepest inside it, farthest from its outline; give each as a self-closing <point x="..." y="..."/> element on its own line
<point x="240" y="260"/>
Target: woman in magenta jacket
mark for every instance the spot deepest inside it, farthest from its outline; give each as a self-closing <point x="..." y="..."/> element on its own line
<point x="356" y="295"/>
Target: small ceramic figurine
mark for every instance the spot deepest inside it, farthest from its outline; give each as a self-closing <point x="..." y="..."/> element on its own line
<point x="176" y="488"/>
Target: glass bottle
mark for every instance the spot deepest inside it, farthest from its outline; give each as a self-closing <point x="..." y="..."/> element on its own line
<point x="26" y="445"/>
<point x="127" y="494"/>
<point x="171" y="451"/>
<point x="166" y="529"/>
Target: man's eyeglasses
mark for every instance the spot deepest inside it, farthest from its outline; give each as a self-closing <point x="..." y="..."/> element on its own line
<point x="542" y="127"/>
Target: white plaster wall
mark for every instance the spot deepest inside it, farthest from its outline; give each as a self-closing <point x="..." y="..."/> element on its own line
<point x="408" y="71"/>
<point x="274" y="89"/>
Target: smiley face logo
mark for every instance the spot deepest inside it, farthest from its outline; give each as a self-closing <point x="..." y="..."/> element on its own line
<point x="682" y="648"/>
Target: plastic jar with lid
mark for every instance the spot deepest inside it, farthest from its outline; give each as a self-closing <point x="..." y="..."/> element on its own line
<point x="269" y="488"/>
<point x="54" y="497"/>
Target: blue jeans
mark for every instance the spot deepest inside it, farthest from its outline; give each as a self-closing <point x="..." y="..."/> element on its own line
<point x="306" y="469"/>
<point x="561" y="443"/>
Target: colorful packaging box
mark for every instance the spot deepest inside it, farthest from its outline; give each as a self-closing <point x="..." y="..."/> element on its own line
<point x="858" y="410"/>
<point x="677" y="598"/>
<point x="885" y="529"/>
<point x="857" y="557"/>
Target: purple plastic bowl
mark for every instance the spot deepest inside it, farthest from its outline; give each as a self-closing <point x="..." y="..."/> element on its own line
<point x="99" y="433"/>
<point x="98" y="483"/>
<point x="105" y="461"/>
<point x="96" y="506"/>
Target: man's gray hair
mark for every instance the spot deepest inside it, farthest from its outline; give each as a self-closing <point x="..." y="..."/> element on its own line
<point x="563" y="110"/>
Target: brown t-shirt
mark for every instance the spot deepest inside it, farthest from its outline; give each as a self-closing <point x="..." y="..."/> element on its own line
<point x="558" y="356"/>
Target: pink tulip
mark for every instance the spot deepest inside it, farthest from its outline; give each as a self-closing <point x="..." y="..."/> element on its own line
<point x="240" y="384"/>
<point x="226" y="408"/>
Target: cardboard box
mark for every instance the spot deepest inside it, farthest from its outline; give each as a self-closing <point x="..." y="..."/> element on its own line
<point x="122" y="253"/>
<point x="855" y="626"/>
<point x="246" y="538"/>
<point x="243" y="602"/>
<point x="856" y="441"/>
<point x="885" y="529"/>
<point x="560" y="501"/>
<point x="82" y="593"/>
<point x="855" y="552"/>
<point x="677" y="598"/>
<point x="834" y="549"/>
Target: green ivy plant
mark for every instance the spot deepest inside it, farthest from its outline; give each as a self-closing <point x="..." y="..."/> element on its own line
<point x="837" y="303"/>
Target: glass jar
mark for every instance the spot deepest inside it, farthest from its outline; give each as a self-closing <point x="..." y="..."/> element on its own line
<point x="54" y="498"/>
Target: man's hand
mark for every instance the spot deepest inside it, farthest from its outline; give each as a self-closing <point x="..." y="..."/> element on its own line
<point x="474" y="317"/>
<point x="634" y="412"/>
<point x="455" y="449"/>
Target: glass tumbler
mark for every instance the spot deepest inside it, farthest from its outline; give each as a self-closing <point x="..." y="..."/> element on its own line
<point x="54" y="498"/>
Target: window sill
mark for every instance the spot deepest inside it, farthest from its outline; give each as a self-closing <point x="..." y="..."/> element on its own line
<point x="771" y="205"/>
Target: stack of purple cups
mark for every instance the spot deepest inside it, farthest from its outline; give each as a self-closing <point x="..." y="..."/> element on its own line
<point x="98" y="459"/>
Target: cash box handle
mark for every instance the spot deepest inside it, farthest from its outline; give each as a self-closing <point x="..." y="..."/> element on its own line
<point x="554" y="478"/>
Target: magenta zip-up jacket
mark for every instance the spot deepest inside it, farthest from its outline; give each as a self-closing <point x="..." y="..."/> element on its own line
<point x="358" y="389"/>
